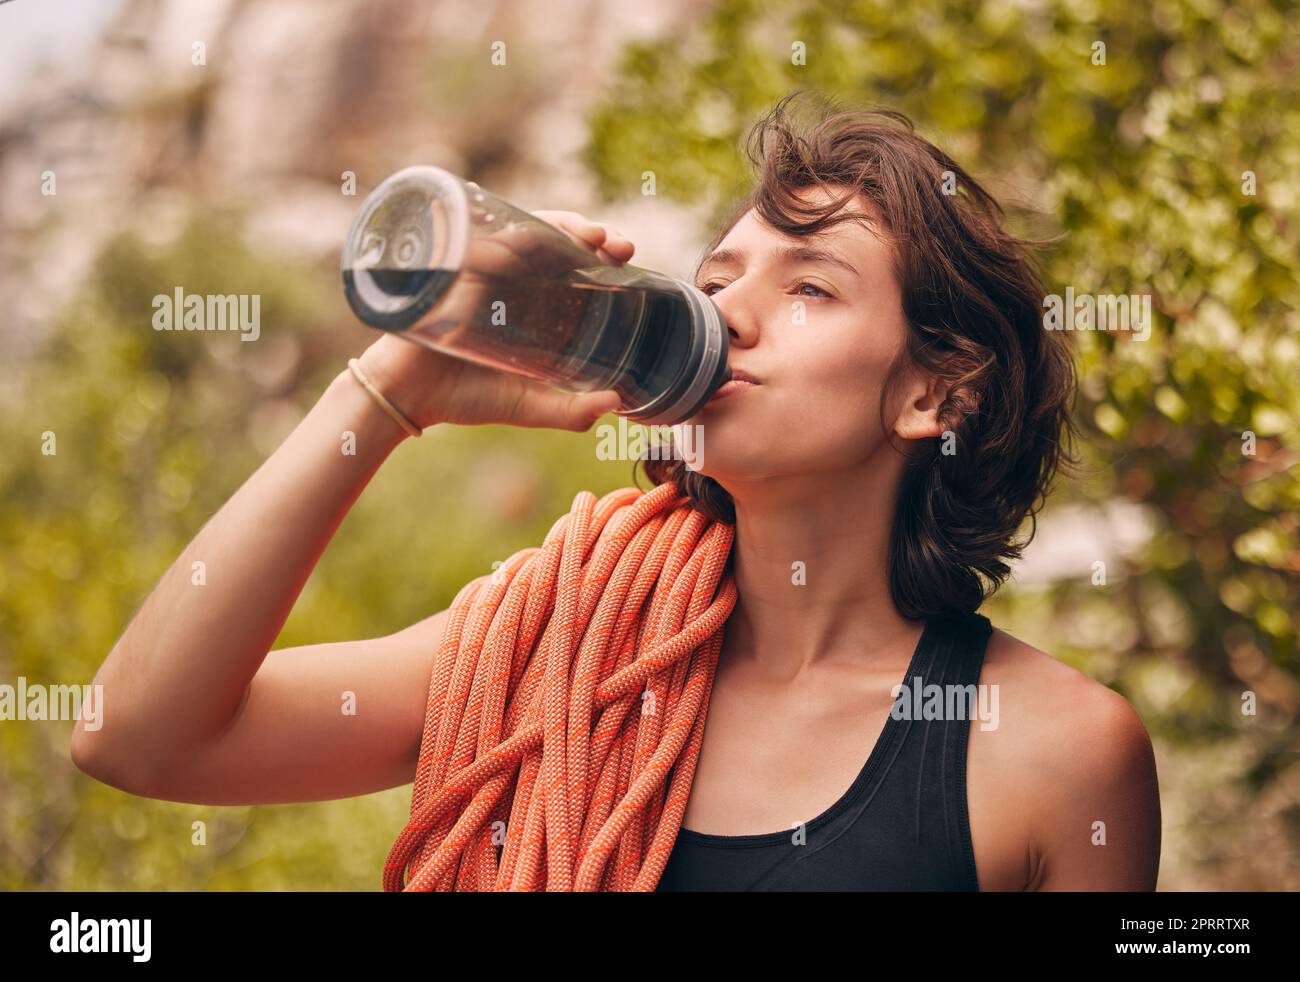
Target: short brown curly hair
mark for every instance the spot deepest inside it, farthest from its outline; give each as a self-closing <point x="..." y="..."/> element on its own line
<point x="973" y="301"/>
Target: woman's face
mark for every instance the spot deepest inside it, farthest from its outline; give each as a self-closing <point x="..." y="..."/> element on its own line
<point x="818" y="322"/>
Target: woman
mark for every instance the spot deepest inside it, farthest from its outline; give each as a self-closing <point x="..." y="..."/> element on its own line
<point x="900" y="414"/>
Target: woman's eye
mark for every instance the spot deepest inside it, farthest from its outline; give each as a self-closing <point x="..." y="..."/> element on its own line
<point x="707" y="288"/>
<point x="819" y="290"/>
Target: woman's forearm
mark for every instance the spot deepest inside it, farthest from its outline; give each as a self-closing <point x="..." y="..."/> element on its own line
<point x="179" y="672"/>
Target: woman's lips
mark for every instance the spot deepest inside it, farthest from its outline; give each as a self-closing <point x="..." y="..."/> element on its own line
<point x="740" y="381"/>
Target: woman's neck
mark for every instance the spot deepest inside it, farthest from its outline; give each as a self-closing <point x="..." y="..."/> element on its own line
<point x="811" y="566"/>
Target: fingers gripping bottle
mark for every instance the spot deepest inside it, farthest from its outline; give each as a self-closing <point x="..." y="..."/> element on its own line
<point x="443" y="263"/>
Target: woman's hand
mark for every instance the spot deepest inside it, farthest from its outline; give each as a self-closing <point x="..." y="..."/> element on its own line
<point x="431" y="387"/>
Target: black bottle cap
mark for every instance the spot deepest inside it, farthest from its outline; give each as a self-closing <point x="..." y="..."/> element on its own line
<point x="706" y="366"/>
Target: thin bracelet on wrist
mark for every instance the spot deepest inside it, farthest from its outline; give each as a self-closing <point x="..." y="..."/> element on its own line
<point x="398" y="417"/>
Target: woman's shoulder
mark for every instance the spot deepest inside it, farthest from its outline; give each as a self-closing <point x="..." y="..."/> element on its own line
<point x="1081" y="761"/>
<point x="1046" y="687"/>
<point x="1061" y="721"/>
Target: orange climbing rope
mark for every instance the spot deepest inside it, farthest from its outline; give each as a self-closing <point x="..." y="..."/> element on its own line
<point x="567" y="704"/>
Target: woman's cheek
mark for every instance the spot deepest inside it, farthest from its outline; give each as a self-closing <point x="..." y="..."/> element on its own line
<point x="824" y="419"/>
<point x="847" y="407"/>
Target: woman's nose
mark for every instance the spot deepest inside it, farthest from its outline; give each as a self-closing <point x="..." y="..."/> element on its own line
<point x="742" y="321"/>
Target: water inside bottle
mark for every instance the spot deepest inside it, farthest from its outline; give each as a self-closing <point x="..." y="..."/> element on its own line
<point x="571" y="330"/>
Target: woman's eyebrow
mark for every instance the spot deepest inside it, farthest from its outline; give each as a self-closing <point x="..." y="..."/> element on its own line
<point x="790" y="253"/>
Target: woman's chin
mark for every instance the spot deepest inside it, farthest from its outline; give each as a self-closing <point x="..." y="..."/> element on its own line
<point x="720" y="467"/>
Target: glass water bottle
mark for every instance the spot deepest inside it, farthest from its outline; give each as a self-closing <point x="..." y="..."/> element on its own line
<point x="444" y="263"/>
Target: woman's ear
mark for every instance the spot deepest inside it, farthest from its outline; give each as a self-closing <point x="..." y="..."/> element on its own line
<point x="920" y="399"/>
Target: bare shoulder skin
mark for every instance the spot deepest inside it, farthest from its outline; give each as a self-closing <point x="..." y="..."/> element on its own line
<point x="1062" y="795"/>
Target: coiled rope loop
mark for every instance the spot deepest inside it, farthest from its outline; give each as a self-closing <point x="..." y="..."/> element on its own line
<point x="567" y="704"/>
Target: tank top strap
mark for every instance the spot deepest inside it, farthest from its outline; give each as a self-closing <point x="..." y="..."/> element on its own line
<point x="956" y="661"/>
<point x="954" y="649"/>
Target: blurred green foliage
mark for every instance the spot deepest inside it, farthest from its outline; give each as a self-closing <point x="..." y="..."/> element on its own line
<point x="1143" y="150"/>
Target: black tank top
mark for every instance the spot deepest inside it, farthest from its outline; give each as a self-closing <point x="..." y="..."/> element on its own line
<point x="902" y="824"/>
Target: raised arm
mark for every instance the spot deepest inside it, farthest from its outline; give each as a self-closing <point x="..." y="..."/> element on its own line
<point x="194" y="707"/>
